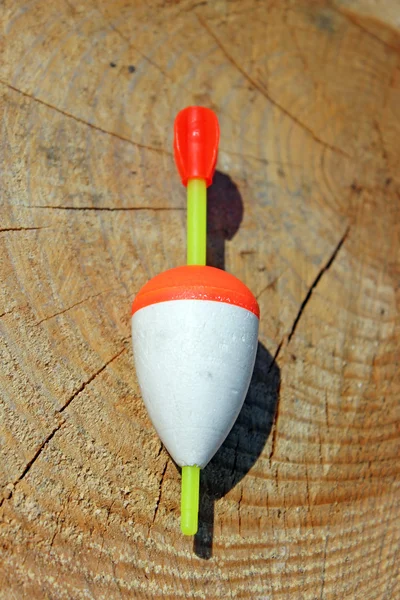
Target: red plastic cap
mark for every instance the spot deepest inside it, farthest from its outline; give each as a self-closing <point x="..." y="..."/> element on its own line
<point x="196" y="138"/>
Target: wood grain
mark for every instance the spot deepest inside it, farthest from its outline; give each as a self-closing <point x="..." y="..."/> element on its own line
<point x="303" y="500"/>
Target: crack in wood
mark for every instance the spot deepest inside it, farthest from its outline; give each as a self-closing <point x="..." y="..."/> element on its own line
<point x="159" y="494"/>
<point x="261" y="89"/>
<point x="61" y="312"/>
<point x="327" y="411"/>
<point x="55" y="529"/>
<point x="122" y="138"/>
<point x="321" y="459"/>
<point x="161" y="444"/>
<point x="303" y="305"/>
<point x="37" y="454"/>
<point x="309" y="497"/>
<point x="348" y="16"/>
<point x="316" y="281"/>
<point x="9" y="312"/>
<point x="22" y="229"/>
<point x="275" y="427"/>
<point x="275" y="357"/>
<point x="91" y="378"/>
<point x="106" y="208"/>
<point x="43" y="445"/>
<point x="239" y="515"/>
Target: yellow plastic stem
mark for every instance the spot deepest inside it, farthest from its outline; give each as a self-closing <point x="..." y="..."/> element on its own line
<point x="196" y="222"/>
<point x="190" y="499"/>
<point x="196" y="255"/>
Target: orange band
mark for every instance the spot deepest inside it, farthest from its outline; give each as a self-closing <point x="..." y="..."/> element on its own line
<point x="196" y="283"/>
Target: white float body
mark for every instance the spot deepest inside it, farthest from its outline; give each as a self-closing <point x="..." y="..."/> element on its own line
<point x="194" y="361"/>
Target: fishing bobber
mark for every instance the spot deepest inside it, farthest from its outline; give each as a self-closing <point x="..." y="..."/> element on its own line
<point x="194" y="333"/>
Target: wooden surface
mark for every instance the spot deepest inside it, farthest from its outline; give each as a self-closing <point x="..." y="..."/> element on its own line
<point x="303" y="499"/>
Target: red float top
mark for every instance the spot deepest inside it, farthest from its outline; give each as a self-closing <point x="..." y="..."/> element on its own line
<point x="196" y="138"/>
<point x="196" y="283"/>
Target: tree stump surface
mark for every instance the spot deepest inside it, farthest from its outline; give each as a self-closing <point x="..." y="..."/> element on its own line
<point x="302" y="501"/>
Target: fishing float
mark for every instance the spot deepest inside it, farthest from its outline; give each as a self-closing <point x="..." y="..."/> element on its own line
<point x="194" y="329"/>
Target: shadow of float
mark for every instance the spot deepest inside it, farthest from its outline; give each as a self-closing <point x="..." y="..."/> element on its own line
<point x="241" y="448"/>
<point x="224" y="215"/>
